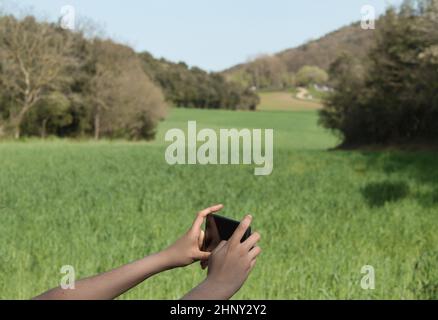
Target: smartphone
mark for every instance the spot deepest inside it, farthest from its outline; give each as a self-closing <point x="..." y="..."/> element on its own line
<point x="219" y="228"/>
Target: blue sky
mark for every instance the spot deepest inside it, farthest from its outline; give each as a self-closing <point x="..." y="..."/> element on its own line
<point x="212" y="34"/>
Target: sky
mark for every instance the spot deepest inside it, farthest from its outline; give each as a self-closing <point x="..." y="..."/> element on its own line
<point x="211" y="34"/>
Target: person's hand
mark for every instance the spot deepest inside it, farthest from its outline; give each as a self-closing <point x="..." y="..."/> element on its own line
<point x="187" y="249"/>
<point x="231" y="262"/>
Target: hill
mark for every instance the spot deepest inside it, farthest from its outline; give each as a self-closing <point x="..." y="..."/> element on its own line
<point x="185" y="86"/>
<point x="324" y="51"/>
<point x="321" y="53"/>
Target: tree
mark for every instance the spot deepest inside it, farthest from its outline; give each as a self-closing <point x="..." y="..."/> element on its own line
<point x="120" y="92"/>
<point x="34" y="58"/>
<point x="428" y="68"/>
<point x="308" y="75"/>
<point x="391" y="97"/>
<point x="266" y="72"/>
<point x="54" y="108"/>
<point x="196" y="88"/>
<point x="342" y="108"/>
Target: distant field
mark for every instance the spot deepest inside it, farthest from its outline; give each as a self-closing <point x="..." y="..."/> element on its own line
<point x="322" y="215"/>
<point x="293" y="130"/>
<point x="285" y="101"/>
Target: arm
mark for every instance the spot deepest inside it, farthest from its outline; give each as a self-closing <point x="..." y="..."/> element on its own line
<point x="229" y="266"/>
<point x="112" y="284"/>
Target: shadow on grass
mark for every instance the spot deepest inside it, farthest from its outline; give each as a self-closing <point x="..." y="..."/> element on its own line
<point x="418" y="167"/>
<point x="377" y="194"/>
<point x="429" y="199"/>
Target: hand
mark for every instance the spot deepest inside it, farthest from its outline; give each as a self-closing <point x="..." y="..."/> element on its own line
<point x="231" y="262"/>
<point x="187" y="249"/>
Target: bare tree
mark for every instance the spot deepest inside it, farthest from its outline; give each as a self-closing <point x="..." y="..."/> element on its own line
<point x="120" y="91"/>
<point x="267" y="71"/>
<point x="34" y="57"/>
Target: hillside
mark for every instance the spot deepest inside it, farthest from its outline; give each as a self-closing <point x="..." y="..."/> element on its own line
<point x="185" y="86"/>
<point x="321" y="52"/>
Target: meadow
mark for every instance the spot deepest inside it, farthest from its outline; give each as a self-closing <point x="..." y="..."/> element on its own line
<point x="286" y="101"/>
<point x="322" y="214"/>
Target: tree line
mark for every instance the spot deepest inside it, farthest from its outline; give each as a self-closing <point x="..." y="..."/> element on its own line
<point x="195" y="88"/>
<point x="58" y="82"/>
<point x="270" y="72"/>
<point x="391" y="95"/>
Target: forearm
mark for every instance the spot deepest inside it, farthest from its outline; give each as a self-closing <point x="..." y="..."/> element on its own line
<point x="207" y="290"/>
<point x="112" y="284"/>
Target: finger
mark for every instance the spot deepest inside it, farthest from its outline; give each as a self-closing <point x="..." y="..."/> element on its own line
<point x="201" y="239"/>
<point x="219" y="246"/>
<point x="253" y="254"/>
<point x="241" y="229"/>
<point x="202" y="255"/>
<point x="204" y="262"/>
<point x="203" y="214"/>
<point x="252" y="240"/>
<point x="252" y="265"/>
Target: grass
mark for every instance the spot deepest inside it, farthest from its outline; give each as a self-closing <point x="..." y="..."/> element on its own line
<point x="323" y="215"/>
<point x="285" y="101"/>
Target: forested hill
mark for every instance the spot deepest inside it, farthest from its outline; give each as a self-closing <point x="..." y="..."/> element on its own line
<point x="324" y="51"/>
<point x="321" y="53"/>
<point x="185" y="86"/>
<point x="58" y="82"/>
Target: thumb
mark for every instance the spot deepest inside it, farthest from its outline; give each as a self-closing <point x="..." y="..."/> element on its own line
<point x="202" y="255"/>
<point x="201" y="239"/>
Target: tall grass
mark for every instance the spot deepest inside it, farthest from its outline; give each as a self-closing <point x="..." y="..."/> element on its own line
<point x="322" y="215"/>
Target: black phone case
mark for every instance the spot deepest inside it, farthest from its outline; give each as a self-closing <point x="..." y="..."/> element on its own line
<point x="220" y="228"/>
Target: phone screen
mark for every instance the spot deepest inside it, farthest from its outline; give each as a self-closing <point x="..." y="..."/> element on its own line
<point x="219" y="228"/>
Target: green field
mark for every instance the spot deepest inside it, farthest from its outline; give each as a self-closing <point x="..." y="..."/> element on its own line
<point x="322" y="214"/>
<point x="285" y="101"/>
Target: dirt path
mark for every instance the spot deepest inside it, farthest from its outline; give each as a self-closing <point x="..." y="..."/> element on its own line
<point x="303" y="94"/>
<point x="286" y="101"/>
